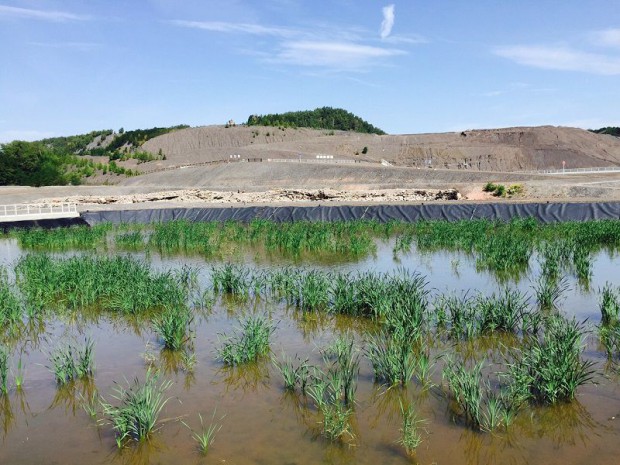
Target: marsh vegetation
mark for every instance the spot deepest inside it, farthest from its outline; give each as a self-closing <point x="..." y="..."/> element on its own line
<point x="470" y="342"/>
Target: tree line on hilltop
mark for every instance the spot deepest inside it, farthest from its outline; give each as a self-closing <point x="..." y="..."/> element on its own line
<point x="320" y="118"/>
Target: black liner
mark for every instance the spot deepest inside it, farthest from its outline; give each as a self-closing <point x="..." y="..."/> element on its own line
<point x="543" y="212"/>
<point x="46" y="223"/>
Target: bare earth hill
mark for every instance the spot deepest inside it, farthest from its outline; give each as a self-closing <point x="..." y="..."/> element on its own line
<point x="262" y="159"/>
<point x="510" y="149"/>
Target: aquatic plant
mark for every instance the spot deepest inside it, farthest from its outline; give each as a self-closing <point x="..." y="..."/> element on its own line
<point x="293" y="373"/>
<point x="172" y="325"/>
<point x="550" y="291"/>
<point x="231" y="279"/>
<point x="139" y="406"/>
<point x="410" y="436"/>
<point x="549" y="368"/>
<point x="392" y="357"/>
<point x="10" y="306"/>
<point x="205" y="437"/>
<point x="250" y="342"/>
<point x="71" y="362"/>
<point x="4" y="370"/>
<point x="609" y="305"/>
<point x="120" y="284"/>
<point x="465" y="385"/>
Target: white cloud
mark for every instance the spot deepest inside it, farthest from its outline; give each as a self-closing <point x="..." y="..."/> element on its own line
<point x="561" y="58"/>
<point x="608" y="38"/>
<point x="332" y="47"/>
<point x="388" y="21"/>
<point x="338" y="55"/>
<point x="411" y="39"/>
<point x="245" y="28"/>
<point x="26" y="13"/>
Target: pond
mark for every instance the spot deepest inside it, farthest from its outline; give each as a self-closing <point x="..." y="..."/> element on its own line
<point x="311" y="302"/>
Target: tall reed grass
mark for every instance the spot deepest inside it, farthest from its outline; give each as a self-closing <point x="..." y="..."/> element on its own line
<point x="249" y="342"/>
<point x="120" y="284"/>
<point x="139" y="405"/>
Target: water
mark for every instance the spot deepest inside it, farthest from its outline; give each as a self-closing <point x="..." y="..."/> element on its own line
<point x="263" y="424"/>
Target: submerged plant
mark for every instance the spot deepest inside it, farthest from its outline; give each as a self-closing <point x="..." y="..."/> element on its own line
<point x="249" y="343"/>
<point x="139" y="405"/>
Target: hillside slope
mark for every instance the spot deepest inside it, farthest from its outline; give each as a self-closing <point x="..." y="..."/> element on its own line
<point x="509" y="149"/>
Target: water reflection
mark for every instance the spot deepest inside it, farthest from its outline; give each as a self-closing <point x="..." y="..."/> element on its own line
<point x="251" y="377"/>
<point x="75" y="395"/>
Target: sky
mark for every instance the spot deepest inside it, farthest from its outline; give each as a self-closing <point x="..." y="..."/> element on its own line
<point x="72" y="66"/>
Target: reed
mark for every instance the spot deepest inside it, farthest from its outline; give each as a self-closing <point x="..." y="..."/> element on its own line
<point x="172" y="325"/>
<point x="550" y="292"/>
<point x="69" y="362"/>
<point x="119" y="284"/>
<point x="4" y="370"/>
<point x="392" y="357"/>
<point x="410" y="435"/>
<point x="139" y="406"/>
<point x="293" y="372"/>
<point x="231" y="279"/>
<point x="250" y="341"/>
<point x="609" y="305"/>
<point x="10" y="306"/>
<point x="205" y="437"/>
<point x="549" y="368"/>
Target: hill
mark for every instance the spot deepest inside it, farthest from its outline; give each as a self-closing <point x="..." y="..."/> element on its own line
<point x="320" y="118"/>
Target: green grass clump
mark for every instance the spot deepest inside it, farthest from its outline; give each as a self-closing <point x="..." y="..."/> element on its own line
<point x="410" y="437"/>
<point x="59" y="239"/>
<point x="231" y="279"/>
<point x="10" y="306"/>
<point x="119" y="284"/>
<point x="392" y="357"/>
<point x="4" y="370"/>
<point x="549" y="368"/>
<point x="249" y="343"/>
<point x="139" y="406"/>
<point x="206" y="436"/>
<point x="478" y="404"/>
<point x="609" y="305"/>
<point x="172" y="325"/>
<point x="293" y="374"/>
<point x="70" y="362"/>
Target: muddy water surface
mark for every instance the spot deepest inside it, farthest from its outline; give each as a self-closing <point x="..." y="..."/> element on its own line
<point x="262" y="423"/>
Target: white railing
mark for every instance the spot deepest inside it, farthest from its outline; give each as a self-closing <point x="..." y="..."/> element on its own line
<point x="601" y="169"/>
<point x="38" y="210"/>
<point x="311" y="160"/>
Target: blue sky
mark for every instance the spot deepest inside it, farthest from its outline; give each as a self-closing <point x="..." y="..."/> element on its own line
<point x="408" y="67"/>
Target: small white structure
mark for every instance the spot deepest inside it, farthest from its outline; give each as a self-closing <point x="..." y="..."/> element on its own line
<point x="26" y="212"/>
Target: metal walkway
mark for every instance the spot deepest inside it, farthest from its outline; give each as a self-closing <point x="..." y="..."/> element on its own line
<point x="29" y="212"/>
